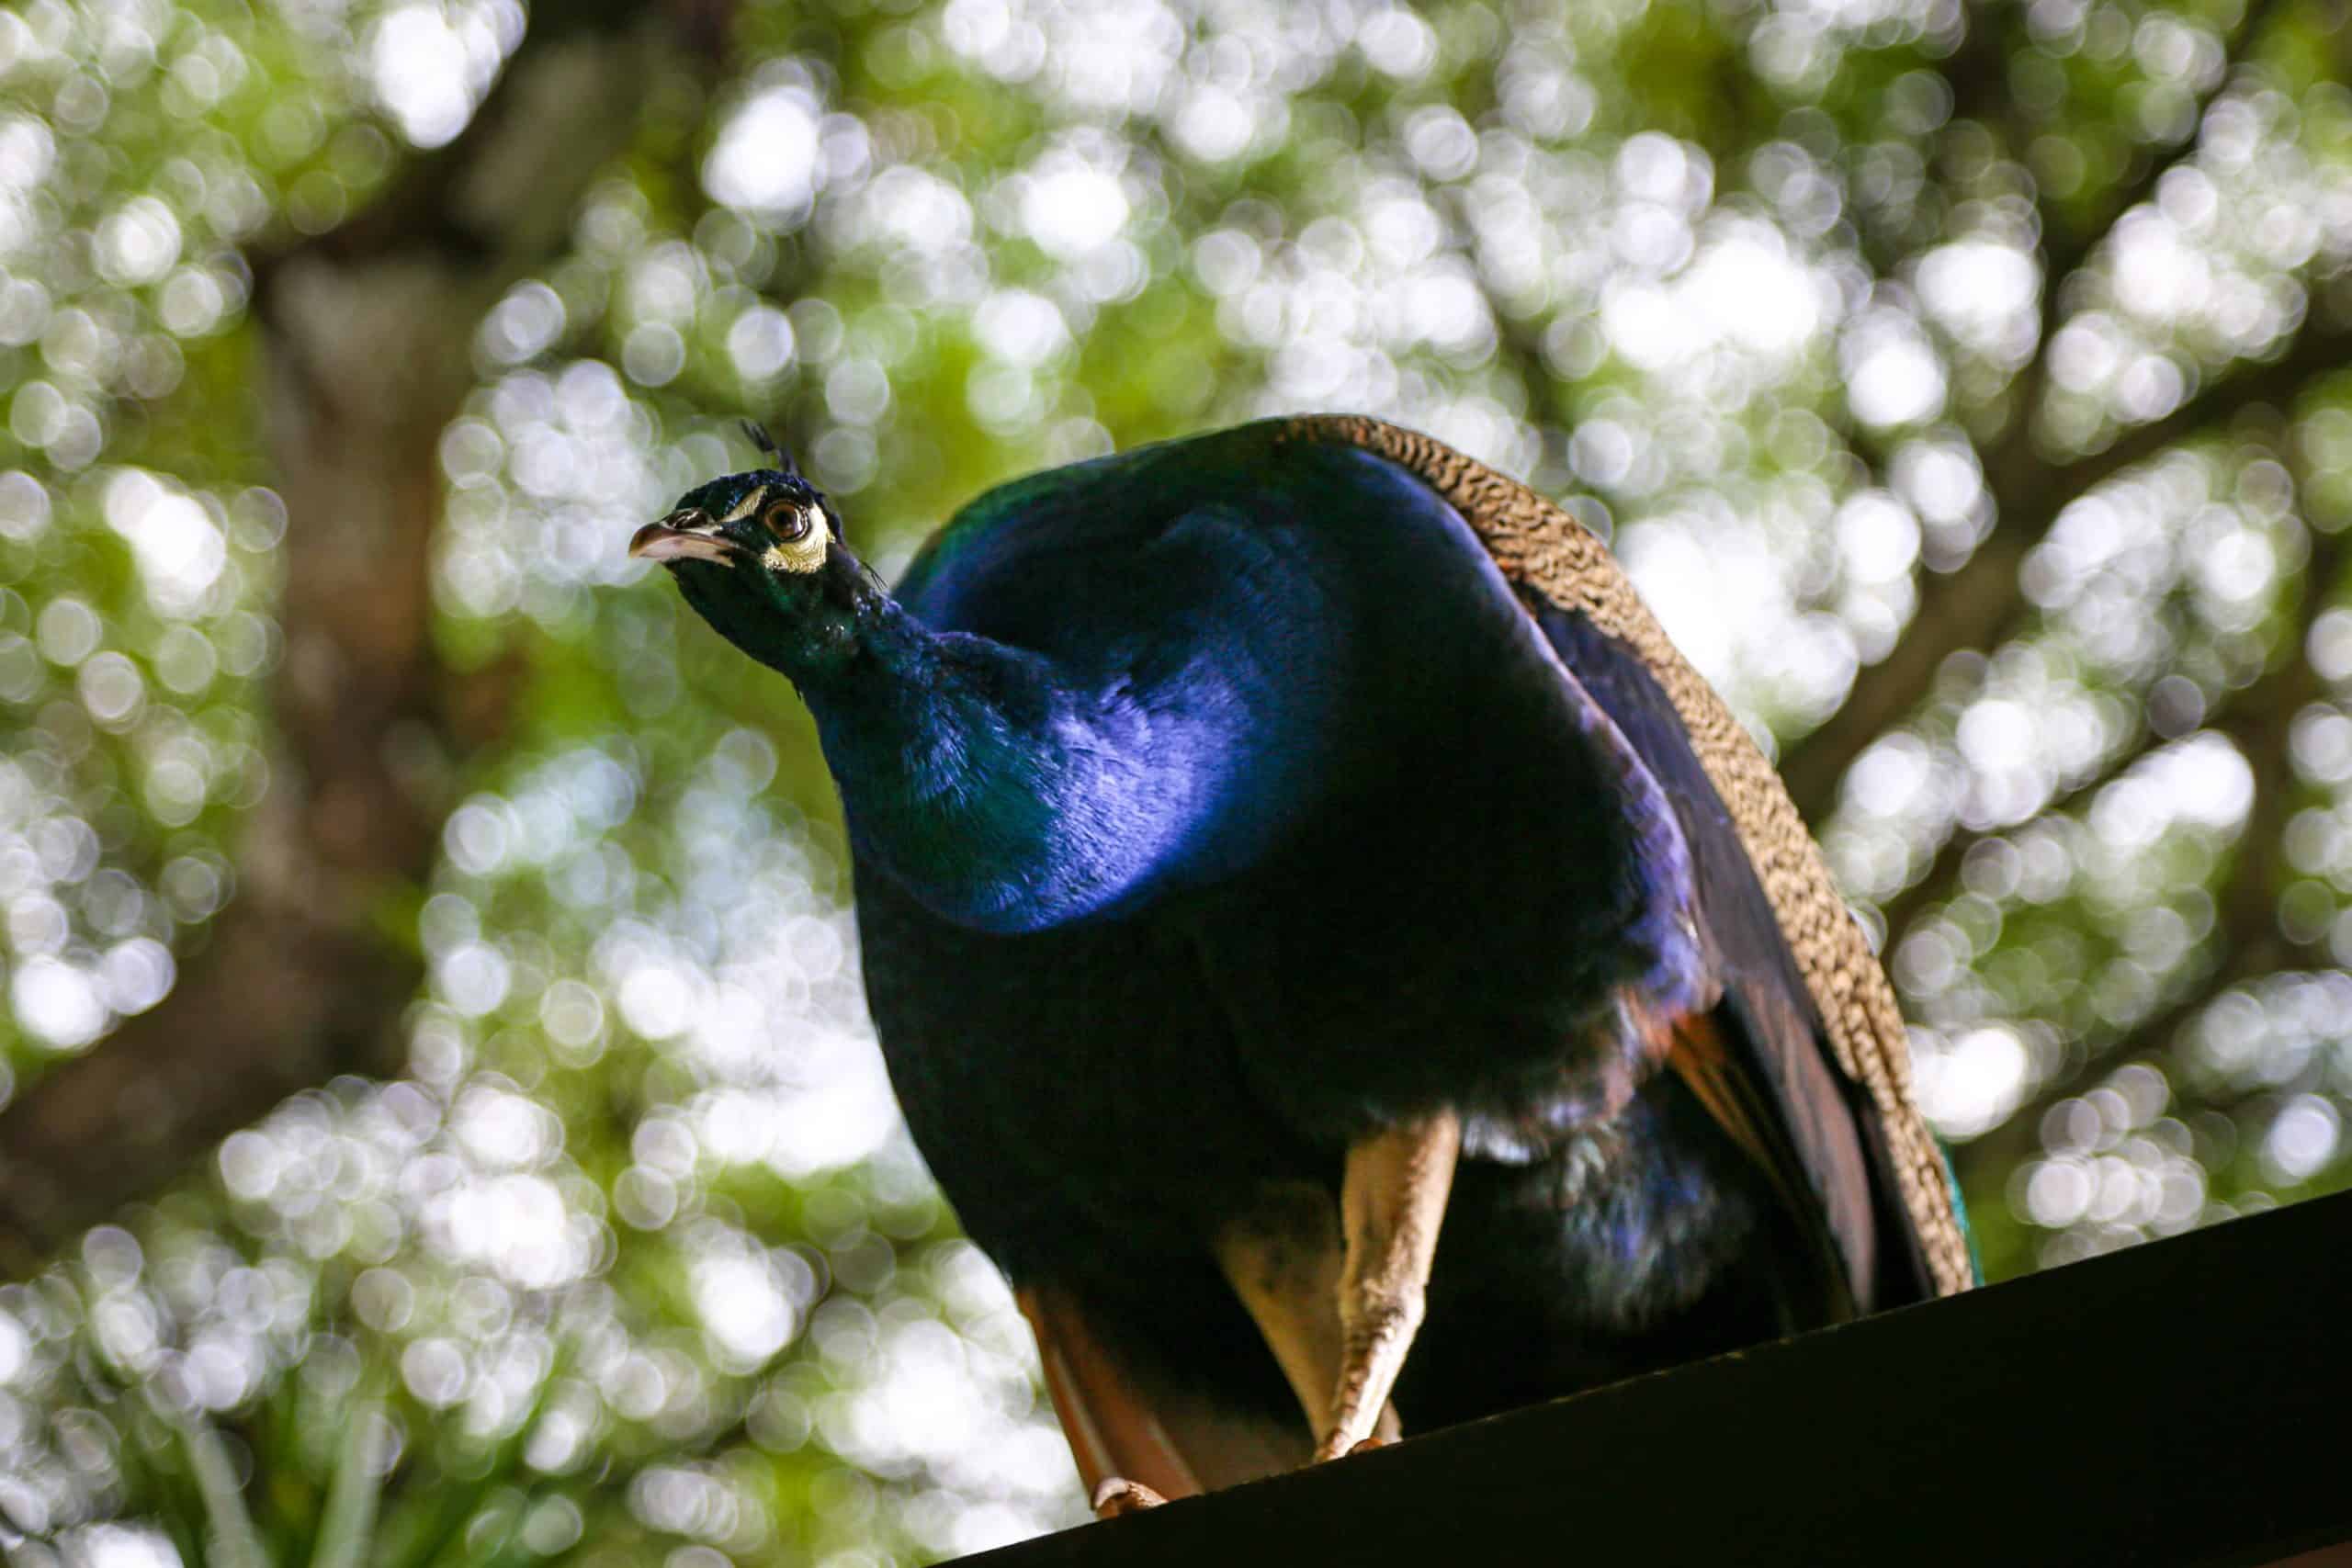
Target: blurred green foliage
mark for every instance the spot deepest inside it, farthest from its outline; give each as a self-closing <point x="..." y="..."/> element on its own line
<point x="635" y="1263"/>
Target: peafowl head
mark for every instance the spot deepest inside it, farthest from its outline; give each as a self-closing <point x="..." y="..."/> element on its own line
<point x="759" y="555"/>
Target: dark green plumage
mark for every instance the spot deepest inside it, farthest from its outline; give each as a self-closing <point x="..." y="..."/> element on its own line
<point x="1219" y="805"/>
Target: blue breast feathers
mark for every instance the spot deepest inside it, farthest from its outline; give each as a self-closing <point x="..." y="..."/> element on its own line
<point x="1160" y="674"/>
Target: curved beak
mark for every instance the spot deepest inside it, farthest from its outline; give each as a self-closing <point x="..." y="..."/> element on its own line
<point x="686" y="535"/>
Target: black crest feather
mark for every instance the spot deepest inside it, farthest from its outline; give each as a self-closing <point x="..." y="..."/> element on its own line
<point x="760" y="438"/>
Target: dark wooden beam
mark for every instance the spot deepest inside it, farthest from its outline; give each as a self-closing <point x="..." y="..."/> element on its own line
<point x="2181" y="1403"/>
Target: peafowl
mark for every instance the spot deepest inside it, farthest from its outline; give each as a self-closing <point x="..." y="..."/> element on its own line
<point x="1340" y="960"/>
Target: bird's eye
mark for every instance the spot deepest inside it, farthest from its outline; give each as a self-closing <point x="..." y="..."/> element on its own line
<point x="788" y="522"/>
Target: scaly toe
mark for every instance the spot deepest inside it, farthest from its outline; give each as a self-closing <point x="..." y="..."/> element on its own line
<point x="1118" y="1495"/>
<point x="1329" y="1450"/>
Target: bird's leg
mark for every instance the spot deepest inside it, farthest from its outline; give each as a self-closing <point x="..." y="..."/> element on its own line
<point x="1339" y="1294"/>
<point x="1391" y="1202"/>
<point x="1283" y="1256"/>
<point x="1123" y="1454"/>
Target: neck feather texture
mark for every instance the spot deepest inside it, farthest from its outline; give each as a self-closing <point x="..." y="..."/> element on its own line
<point x="1010" y="794"/>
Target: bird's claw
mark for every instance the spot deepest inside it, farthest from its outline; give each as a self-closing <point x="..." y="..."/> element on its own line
<point x="1325" y="1454"/>
<point x="1118" y="1495"/>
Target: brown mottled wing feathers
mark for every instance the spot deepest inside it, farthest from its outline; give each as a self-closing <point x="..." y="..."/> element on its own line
<point x="1537" y="544"/>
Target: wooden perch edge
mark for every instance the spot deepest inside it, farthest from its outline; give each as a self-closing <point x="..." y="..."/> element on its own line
<point x="2180" y="1402"/>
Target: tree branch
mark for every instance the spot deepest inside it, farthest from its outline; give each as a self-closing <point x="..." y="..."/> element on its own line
<point x="1972" y="606"/>
<point x="2065" y="254"/>
<point x="1901" y="912"/>
<point x="2249" y="720"/>
<point x="2246" y="941"/>
<point x="1976" y="606"/>
<point x="367" y="334"/>
<point x="2018" y="1137"/>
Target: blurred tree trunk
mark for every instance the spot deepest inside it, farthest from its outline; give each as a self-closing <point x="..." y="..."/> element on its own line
<point x="367" y="336"/>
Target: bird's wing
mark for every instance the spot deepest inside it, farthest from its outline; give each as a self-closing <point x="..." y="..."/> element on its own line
<point x="1738" y="804"/>
<point x="1823" y="1182"/>
<point x="1755" y="1062"/>
<point x="1176" y="1443"/>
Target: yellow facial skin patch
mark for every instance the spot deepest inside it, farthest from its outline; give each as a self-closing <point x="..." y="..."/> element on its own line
<point x="804" y="554"/>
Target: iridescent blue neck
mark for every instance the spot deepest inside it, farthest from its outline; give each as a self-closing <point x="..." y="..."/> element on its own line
<point x="1008" y="793"/>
